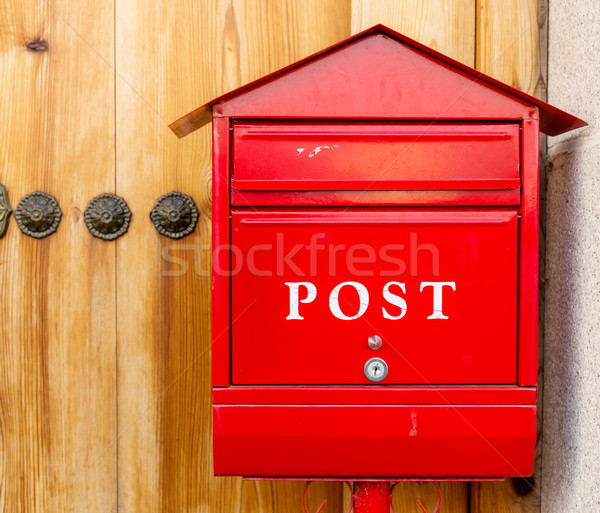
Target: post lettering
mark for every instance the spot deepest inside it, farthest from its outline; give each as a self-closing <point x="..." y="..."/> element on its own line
<point x="394" y="300"/>
<point x="334" y="302"/>
<point x="311" y="294"/>
<point x="437" y="296"/>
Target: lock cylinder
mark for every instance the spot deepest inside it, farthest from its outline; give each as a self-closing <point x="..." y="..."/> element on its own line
<point x="376" y="369"/>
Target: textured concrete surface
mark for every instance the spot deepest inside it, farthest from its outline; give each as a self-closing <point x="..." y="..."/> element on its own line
<point x="571" y="429"/>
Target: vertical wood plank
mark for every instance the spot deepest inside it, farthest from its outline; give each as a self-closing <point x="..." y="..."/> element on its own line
<point x="273" y="35"/>
<point x="508" y="43"/>
<point x="445" y="25"/>
<point x="183" y="54"/>
<point x="454" y="498"/>
<point x="57" y="312"/>
<point x="165" y="54"/>
<point x="449" y="27"/>
<point x="512" y="47"/>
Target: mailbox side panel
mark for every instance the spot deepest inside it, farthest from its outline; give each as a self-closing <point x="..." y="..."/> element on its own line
<point x="528" y="255"/>
<point x="220" y="262"/>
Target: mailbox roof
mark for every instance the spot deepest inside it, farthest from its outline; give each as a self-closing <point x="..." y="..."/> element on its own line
<point x="474" y="95"/>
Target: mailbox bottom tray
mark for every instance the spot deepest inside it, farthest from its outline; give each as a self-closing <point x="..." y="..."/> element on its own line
<point x="374" y="440"/>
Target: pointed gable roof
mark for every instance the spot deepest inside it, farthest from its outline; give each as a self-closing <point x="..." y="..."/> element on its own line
<point x="379" y="73"/>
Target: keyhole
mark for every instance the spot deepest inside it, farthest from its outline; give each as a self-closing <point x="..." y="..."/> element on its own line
<point x="376" y="369"/>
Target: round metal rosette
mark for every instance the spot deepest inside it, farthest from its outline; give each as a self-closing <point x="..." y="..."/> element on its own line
<point x="5" y="210"/>
<point x="175" y="215"/>
<point x="107" y="216"/>
<point x="38" y="214"/>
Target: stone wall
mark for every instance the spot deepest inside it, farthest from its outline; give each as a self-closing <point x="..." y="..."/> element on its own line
<point x="571" y="402"/>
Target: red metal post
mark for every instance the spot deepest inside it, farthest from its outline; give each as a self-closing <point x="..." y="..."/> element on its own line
<point x="372" y="497"/>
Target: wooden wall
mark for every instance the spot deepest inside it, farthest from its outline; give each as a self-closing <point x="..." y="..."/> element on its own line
<point x="104" y="346"/>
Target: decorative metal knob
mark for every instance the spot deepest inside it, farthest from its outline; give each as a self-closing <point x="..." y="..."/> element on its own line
<point x="5" y="210"/>
<point x="107" y="216"/>
<point x="375" y="342"/>
<point x="175" y="215"/>
<point x="376" y="369"/>
<point x="38" y="214"/>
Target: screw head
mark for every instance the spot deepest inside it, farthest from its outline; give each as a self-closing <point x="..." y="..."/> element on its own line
<point x="375" y="342"/>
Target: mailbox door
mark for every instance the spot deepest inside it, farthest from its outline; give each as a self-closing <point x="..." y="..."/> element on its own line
<point x="309" y="287"/>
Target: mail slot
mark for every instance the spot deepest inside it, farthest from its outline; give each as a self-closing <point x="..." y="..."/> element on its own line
<point x="377" y="156"/>
<point x="375" y="267"/>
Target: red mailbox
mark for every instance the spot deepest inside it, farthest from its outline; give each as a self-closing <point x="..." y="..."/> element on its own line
<point x="375" y="266"/>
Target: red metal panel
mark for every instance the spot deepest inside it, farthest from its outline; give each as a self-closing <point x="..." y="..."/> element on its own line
<point x="467" y="335"/>
<point x="370" y="197"/>
<point x="375" y="156"/>
<point x="528" y="256"/>
<point x="374" y="441"/>
<point x="221" y="306"/>
<point x="371" y="183"/>
<point x="377" y="394"/>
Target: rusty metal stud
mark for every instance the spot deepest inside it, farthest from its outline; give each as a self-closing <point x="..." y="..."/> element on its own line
<point x="107" y="216"/>
<point x="175" y="215"/>
<point x="38" y="214"/>
<point x="5" y="210"/>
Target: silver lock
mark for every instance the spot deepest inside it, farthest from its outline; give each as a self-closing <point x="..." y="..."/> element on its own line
<point x="376" y="369"/>
<point x="375" y="342"/>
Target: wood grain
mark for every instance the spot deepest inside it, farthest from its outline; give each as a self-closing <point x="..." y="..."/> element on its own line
<point x="454" y="498"/>
<point x="80" y="316"/>
<point x="449" y="27"/>
<point x="272" y="35"/>
<point x="511" y="46"/>
<point x="508" y="43"/>
<point x="445" y="25"/>
<point x="57" y="313"/>
<point x="163" y="288"/>
<point x="186" y="53"/>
